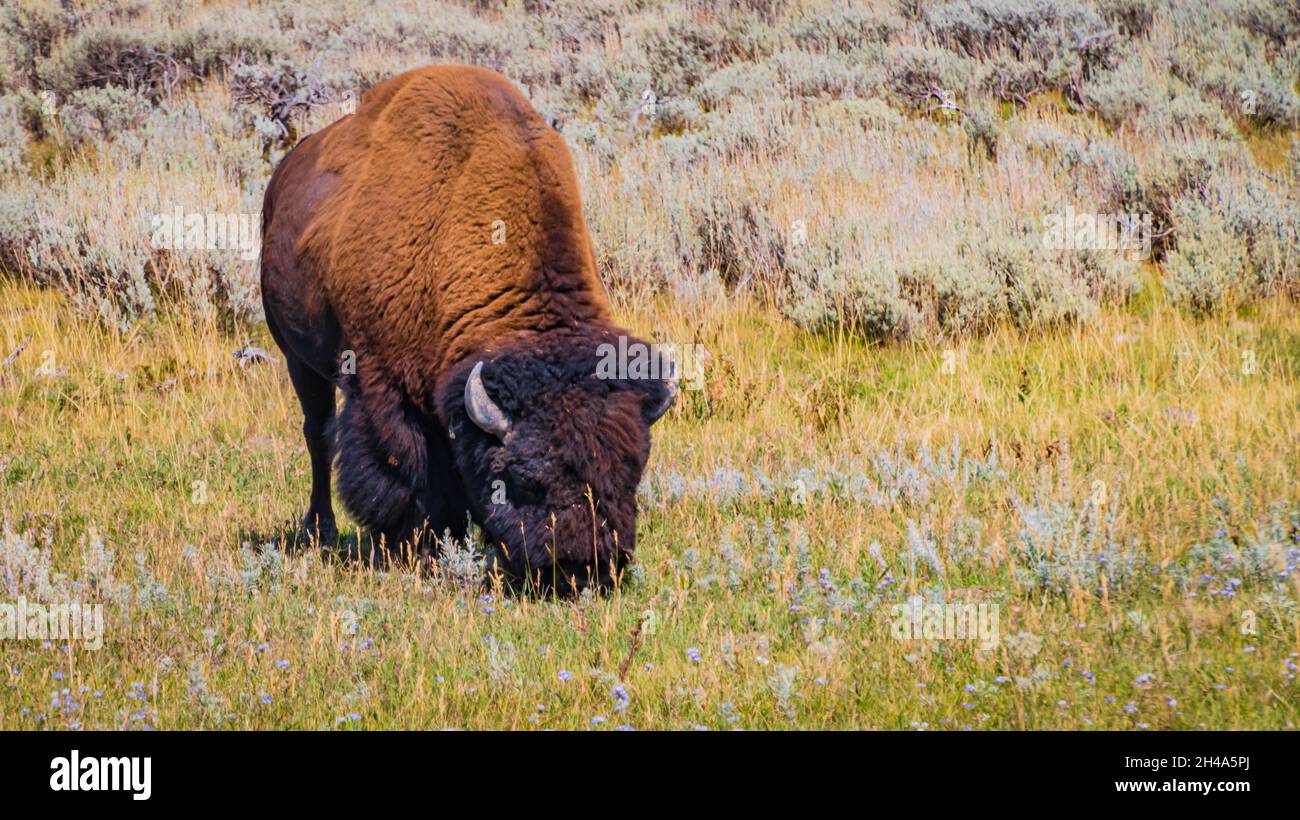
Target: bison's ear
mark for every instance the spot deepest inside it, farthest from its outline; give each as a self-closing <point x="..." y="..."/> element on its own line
<point x="481" y="409"/>
<point x="660" y="397"/>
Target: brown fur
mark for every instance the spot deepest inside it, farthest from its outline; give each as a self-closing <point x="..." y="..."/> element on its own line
<point x="429" y="162"/>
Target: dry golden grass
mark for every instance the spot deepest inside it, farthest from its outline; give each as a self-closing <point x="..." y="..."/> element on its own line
<point x="777" y="592"/>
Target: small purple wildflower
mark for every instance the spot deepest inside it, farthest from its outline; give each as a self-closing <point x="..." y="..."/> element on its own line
<point x="620" y="697"/>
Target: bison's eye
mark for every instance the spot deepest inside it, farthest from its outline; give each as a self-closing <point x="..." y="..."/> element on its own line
<point x="524" y="490"/>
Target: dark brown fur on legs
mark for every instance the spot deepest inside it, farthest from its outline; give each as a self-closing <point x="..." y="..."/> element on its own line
<point x="381" y="468"/>
<point x="395" y="473"/>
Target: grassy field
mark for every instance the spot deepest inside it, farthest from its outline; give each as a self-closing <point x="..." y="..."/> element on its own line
<point x="1121" y="495"/>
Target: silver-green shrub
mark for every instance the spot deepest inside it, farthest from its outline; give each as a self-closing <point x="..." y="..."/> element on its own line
<point x="885" y="166"/>
<point x="102" y="113"/>
<point x="13" y="136"/>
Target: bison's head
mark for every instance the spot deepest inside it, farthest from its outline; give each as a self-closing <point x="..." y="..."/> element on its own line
<point x="551" y="441"/>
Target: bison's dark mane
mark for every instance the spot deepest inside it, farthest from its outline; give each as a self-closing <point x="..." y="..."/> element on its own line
<point x="528" y="375"/>
<point x="523" y="371"/>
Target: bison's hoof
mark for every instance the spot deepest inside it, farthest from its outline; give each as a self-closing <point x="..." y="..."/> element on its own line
<point x="321" y="533"/>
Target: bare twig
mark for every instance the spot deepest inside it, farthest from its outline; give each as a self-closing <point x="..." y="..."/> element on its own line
<point x="9" y="360"/>
<point x="637" y="635"/>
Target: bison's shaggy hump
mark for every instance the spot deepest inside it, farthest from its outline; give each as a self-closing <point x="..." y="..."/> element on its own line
<point x="456" y="221"/>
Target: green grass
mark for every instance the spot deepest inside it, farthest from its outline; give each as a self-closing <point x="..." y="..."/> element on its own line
<point x="776" y="589"/>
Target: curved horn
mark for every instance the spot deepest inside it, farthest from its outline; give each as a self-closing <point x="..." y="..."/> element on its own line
<point x="482" y="410"/>
<point x="671" y="385"/>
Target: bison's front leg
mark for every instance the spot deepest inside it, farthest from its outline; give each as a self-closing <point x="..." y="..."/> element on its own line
<point x="445" y="498"/>
<point x="381" y="464"/>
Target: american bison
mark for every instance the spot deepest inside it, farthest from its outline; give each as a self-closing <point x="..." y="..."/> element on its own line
<point x="427" y="255"/>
